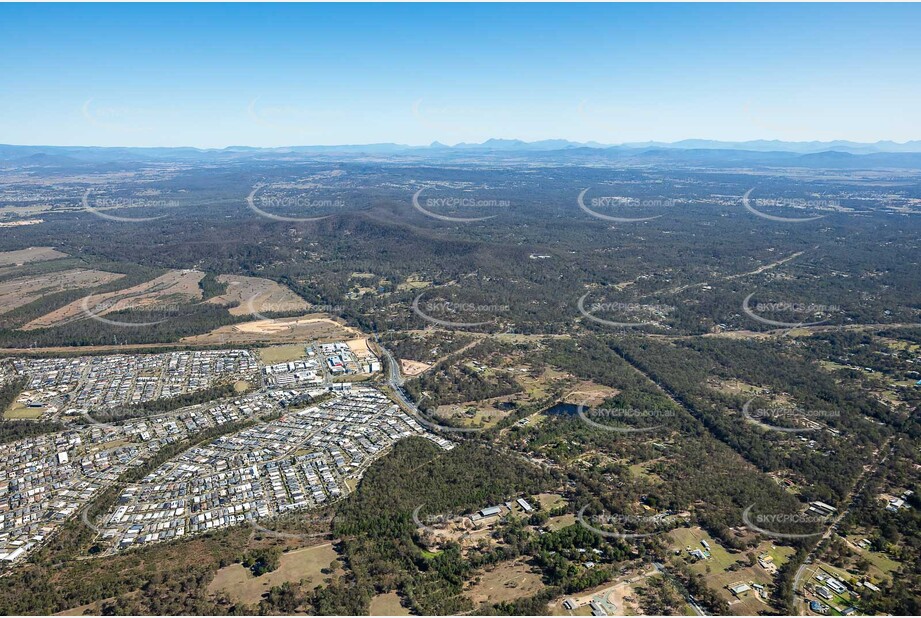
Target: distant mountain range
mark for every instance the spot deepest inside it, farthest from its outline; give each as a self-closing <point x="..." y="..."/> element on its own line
<point x="836" y="154"/>
<point x="700" y="144"/>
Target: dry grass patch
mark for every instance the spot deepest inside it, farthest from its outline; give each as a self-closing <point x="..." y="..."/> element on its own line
<point x="175" y="287"/>
<point x="388" y="605"/>
<point x="23" y="290"/>
<point x="281" y="353"/>
<point x="32" y="254"/>
<point x="504" y="582"/>
<point x="239" y="584"/>
<point x="19" y="412"/>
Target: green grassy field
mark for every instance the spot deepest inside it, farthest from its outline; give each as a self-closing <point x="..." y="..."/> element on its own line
<point x="19" y="412"/>
<point x="719" y="559"/>
<point x="281" y="353"/>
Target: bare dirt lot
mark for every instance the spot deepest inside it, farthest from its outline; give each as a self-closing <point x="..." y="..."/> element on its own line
<point x="22" y="291"/>
<point x="254" y="295"/>
<point x="239" y="584"/>
<point x="589" y="393"/>
<point x="175" y="287"/>
<point x="32" y="254"/>
<point x="315" y="326"/>
<point x="412" y="368"/>
<point x="359" y="347"/>
<point x="275" y="332"/>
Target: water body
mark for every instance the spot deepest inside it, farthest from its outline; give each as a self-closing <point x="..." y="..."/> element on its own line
<point x="563" y="409"/>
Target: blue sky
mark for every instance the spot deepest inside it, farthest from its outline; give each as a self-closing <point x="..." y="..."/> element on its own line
<point x="272" y="75"/>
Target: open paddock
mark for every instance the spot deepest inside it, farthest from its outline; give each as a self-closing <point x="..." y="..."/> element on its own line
<point x="239" y="584"/>
<point x="32" y="254"/>
<point x="174" y="287"/>
<point x="506" y="581"/>
<point x="24" y="290"/>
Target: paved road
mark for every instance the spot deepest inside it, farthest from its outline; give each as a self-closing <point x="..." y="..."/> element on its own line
<point x="800" y="599"/>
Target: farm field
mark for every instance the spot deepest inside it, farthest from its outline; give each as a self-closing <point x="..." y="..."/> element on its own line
<point x="281" y="353"/>
<point x="238" y="583"/>
<point x="483" y="413"/>
<point x="32" y="254"/>
<point x="719" y="559"/>
<point x="174" y="287"/>
<point x="723" y="569"/>
<point x="23" y="290"/>
<point x="18" y="411"/>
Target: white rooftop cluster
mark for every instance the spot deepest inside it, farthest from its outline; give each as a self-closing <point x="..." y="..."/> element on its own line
<point x="299" y="461"/>
<point x="126" y="379"/>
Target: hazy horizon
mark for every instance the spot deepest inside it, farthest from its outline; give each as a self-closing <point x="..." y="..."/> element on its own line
<point x="209" y="76"/>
